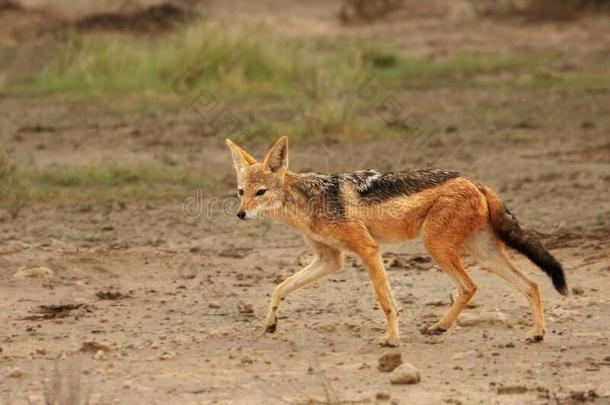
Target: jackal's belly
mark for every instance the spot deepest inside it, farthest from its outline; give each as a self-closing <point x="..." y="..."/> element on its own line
<point x="393" y="231"/>
<point x="396" y="220"/>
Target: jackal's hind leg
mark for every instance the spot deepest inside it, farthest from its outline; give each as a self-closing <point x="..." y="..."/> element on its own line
<point x="486" y="248"/>
<point x="443" y="236"/>
<point x="466" y="289"/>
<point x="328" y="260"/>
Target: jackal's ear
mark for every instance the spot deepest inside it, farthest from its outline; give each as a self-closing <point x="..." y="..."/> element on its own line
<point x="241" y="158"/>
<point x="277" y="157"/>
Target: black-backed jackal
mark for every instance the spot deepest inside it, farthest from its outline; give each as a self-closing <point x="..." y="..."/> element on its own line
<point x="359" y="211"/>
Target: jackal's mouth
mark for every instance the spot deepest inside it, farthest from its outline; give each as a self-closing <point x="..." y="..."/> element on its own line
<point x="245" y="215"/>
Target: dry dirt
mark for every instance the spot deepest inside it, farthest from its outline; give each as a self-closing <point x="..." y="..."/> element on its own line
<point x="149" y="305"/>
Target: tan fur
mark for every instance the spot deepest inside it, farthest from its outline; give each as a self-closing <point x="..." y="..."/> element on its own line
<point x="451" y="217"/>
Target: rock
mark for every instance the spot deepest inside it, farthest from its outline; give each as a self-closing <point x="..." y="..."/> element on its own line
<point x="393" y="263"/>
<point x="167" y="356"/>
<point x="14" y="373"/>
<point x="491" y="318"/>
<point x="577" y="290"/>
<point x="389" y="362"/>
<point x="245" y="309"/>
<point x="405" y="374"/>
<point x="33" y="272"/>
<point x="329" y="328"/>
<point x="99" y="355"/>
<point x="213" y="305"/>
<point x="94" y="346"/>
<point x="382" y="396"/>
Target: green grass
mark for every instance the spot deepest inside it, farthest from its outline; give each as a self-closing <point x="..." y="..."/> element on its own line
<point x="430" y="72"/>
<point x="589" y="81"/>
<point x="319" y="126"/>
<point x="14" y="196"/>
<point x="233" y="62"/>
<point x="111" y="181"/>
<point x="225" y="60"/>
<point x="488" y="71"/>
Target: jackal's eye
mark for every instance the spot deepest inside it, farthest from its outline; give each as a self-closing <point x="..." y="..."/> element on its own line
<point x="261" y="191"/>
<point x="240" y="191"/>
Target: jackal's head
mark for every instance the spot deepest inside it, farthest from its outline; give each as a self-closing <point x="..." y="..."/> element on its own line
<point x="260" y="186"/>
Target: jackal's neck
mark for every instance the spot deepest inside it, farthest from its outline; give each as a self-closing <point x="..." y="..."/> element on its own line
<point x="300" y="192"/>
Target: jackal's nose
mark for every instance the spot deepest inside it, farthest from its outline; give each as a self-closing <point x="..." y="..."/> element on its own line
<point x="241" y="215"/>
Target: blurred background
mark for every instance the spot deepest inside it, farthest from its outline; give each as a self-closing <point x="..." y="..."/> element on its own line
<point x="120" y="94"/>
<point x="114" y="177"/>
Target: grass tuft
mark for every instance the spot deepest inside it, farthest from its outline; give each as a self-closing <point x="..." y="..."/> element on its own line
<point x="111" y="181"/>
<point x="204" y="56"/>
<point x="13" y="195"/>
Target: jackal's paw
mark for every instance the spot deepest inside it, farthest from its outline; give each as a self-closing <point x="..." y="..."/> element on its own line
<point x="271" y="328"/>
<point x="432" y="330"/>
<point x="389" y="342"/>
<point x="534" y="336"/>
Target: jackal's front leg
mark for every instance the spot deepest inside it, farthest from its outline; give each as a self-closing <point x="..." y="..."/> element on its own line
<point x="327" y="261"/>
<point x="371" y="258"/>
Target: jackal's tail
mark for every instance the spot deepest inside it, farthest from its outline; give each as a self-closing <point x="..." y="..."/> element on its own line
<point x="510" y="232"/>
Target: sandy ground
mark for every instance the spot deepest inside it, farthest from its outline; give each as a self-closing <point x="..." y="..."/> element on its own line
<point x="175" y="301"/>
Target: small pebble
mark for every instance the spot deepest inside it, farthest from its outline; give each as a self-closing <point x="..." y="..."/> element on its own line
<point x="405" y="374"/>
<point x="14" y="373"/>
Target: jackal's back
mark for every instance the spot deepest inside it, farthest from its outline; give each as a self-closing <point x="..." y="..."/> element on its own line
<point x="369" y="186"/>
<point x="376" y="187"/>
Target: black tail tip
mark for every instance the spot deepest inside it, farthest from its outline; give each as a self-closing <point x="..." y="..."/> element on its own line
<point x="559" y="278"/>
<point x="561" y="286"/>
